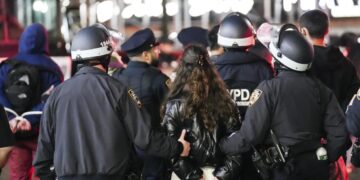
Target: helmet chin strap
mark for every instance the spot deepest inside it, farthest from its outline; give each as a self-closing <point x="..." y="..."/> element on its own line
<point x="278" y="67"/>
<point x="105" y="62"/>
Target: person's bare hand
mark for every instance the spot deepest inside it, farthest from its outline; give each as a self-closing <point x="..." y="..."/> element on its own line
<point x="13" y="125"/>
<point x="186" y="145"/>
<point x="24" y="125"/>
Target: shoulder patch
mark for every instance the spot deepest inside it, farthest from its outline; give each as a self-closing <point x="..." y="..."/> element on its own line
<point x="168" y="83"/>
<point x="135" y="98"/>
<point x="358" y="95"/>
<point x="255" y="95"/>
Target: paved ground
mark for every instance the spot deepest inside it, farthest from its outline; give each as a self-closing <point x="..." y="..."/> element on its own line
<point x="5" y="174"/>
<point x="353" y="176"/>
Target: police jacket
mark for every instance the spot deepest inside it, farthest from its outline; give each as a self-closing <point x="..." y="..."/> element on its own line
<point x="353" y="115"/>
<point x="204" y="144"/>
<point x="299" y="109"/>
<point x="148" y="83"/>
<point x="89" y="125"/>
<point x="242" y="72"/>
<point x="336" y="72"/>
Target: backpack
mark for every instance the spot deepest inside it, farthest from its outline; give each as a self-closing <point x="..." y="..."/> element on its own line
<point x="23" y="85"/>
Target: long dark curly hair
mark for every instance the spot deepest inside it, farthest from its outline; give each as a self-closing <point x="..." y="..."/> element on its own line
<point x="200" y="86"/>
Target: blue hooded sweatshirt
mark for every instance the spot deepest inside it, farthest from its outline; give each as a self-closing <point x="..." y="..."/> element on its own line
<point x="33" y="49"/>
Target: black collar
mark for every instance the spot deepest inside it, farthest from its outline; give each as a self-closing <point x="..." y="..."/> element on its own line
<point x="290" y="73"/>
<point x="138" y="64"/>
<point x="89" y="70"/>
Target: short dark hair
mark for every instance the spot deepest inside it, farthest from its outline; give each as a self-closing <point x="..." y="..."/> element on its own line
<point x="212" y="38"/>
<point x="317" y="23"/>
<point x="348" y="39"/>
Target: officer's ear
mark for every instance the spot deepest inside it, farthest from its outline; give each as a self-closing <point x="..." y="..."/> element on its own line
<point x="146" y="55"/>
<point x="304" y="31"/>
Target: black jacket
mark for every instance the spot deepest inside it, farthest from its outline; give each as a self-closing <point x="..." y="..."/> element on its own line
<point x="204" y="144"/>
<point x="148" y="83"/>
<point x="242" y="72"/>
<point x="336" y="72"/>
<point x="88" y="127"/>
<point x="299" y="109"/>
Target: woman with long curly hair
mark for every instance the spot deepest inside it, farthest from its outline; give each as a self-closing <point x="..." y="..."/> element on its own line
<point x="199" y="102"/>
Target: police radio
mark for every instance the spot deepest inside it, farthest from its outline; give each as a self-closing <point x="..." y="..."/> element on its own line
<point x="279" y="150"/>
<point x="259" y="163"/>
<point x="269" y="158"/>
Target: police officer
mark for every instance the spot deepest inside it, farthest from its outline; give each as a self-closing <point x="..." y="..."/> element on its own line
<point x="291" y="114"/>
<point x="91" y="120"/>
<point x="241" y="70"/>
<point x="148" y="83"/>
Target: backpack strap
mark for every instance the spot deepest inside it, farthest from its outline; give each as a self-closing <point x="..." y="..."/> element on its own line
<point x="16" y="62"/>
<point x="12" y="63"/>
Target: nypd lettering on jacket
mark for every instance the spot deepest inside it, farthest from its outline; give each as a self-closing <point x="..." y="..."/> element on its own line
<point x="240" y="96"/>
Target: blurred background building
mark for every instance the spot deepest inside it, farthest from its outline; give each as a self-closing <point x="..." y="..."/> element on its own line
<point x="63" y="18"/>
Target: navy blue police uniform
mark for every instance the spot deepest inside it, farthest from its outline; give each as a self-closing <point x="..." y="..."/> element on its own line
<point x="118" y="111"/>
<point x="149" y="84"/>
<point x="299" y="110"/>
<point x="88" y="132"/>
<point x="242" y="72"/>
<point x="275" y="105"/>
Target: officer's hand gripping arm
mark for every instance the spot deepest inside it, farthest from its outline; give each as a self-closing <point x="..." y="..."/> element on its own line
<point x="182" y="166"/>
<point x="138" y="124"/>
